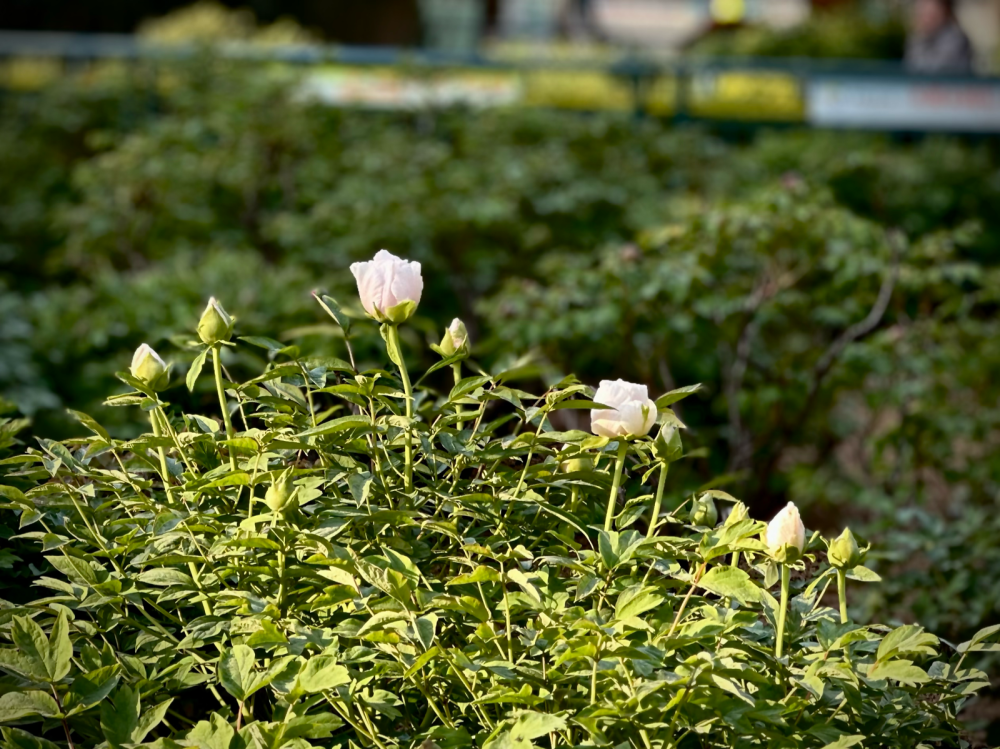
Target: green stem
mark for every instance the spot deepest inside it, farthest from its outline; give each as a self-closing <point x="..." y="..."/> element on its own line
<point x="619" y="464"/>
<point x="281" y="580"/>
<point x="164" y="473"/>
<point x="779" y="645"/>
<point x="230" y="433"/>
<point x="177" y="442"/>
<point x="658" y="501"/>
<point x="506" y="613"/>
<point x="456" y="370"/>
<point x="393" y="331"/>
<point x="842" y="594"/>
<point x="574" y="498"/>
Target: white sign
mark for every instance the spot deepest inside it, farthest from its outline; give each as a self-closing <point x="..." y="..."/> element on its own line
<point x="901" y="104"/>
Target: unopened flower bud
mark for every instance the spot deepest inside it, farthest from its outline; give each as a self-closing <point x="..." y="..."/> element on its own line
<point x="281" y="496"/>
<point x="704" y="512"/>
<point x="215" y="325"/>
<point x="455" y="339"/>
<point x="786" y="536"/>
<point x="582" y="462"/>
<point x="667" y="446"/>
<point x="844" y="553"/>
<point x="390" y="287"/>
<point x="149" y="367"/>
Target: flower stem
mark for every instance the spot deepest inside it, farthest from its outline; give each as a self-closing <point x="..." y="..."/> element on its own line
<point x="393" y="331"/>
<point x="842" y="594"/>
<point x="619" y="464"/>
<point x="456" y="370"/>
<point x="779" y="645"/>
<point x="658" y="501"/>
<point x="230" y="433"/>
<point x="164" y="473"/>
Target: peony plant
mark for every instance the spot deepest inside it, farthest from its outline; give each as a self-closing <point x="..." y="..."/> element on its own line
<point x="343" y="557"/>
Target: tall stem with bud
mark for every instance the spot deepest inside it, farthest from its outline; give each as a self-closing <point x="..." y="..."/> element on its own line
<point x="657" y="503"/>
<point x="230" y="433"/>
<point x="392" y="333"/>
<point x="164" y="472"/>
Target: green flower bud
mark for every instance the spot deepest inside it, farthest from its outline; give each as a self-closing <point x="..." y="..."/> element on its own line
<point x="576" y="464"/>
<point x="667" y="446"/>
<point x="704" y="512"/>
<point x="149" y="367"/>
<point x="215" y="325"/>
<point x="282" y="496"/>
<point x="455" y="339"/>
<point x="843" y="552"/>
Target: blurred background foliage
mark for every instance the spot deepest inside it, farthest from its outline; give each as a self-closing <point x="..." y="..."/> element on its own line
<point x="837" y="293"/>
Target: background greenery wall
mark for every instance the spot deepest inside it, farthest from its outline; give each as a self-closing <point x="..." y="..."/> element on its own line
<point x="836" y="293"/>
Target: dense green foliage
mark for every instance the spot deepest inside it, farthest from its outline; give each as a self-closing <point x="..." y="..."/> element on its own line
<point x="300" y="578"/>
<point x="607" y="246"/>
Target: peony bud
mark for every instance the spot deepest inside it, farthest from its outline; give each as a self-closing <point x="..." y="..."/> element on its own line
<point x="786" y="536"/>
<point x="282" y="496"/>
<point x="631" y="412"/>
<point x="456" y="339"/>
<point x="581" y="462"/>
<point x="667" y="446"/>
<point x="149" y="367"/>
<point x="389" y="287"/>
<point x="215" y="325"/>
<point x="844" y="553"/>
<point x="704" y="512"/>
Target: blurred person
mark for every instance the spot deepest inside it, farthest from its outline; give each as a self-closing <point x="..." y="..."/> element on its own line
<point x="937" y="43"/>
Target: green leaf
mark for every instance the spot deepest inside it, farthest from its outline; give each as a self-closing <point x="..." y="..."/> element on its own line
<point x="90" y="423"/>
<point x="618" y="548"/>
<point x="864" y="575"/>
<point x="15" y="738"/>
<point x="60" y="650"/>
<point x="902" y="671"/>
<point x="975" y="643"/>
<point x="196" y="367"/>
<point x="333" y="309"/>
<point x="635" y="601"/>
<point x="235" y="671"/>
<point x="425" y="626"/>
<point x="149" y="720"/>
<point x="910" y="639"/>
<point x="531" y="725"/>
<point x="90" y="688"/>
<point x="731" y="582"/>
<point x="49" y="662"/>
<point x="482" y="574"/>
<point x="120" y="716"/>
<point x="845" y="742"/>
<point x="673" y="396"/>
<point x="322" y="673"/>
<point x="337" y="425"/>
<point x="16" y="662"/>
<point x="16" y="705"/>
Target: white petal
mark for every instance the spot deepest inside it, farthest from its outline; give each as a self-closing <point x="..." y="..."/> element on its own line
<point x="786" y="530"/>
<point x="638" y="416"/>
<point x="606" y="424"/>
<point x="370" y="282"/>
<point x="407" y="283"/>
<point x="616" y="392"/>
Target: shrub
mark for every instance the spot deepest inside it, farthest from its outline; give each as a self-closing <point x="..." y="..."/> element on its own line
<point x="351" y="559"/>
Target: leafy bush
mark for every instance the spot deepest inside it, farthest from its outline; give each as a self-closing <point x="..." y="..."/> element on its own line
<point x="350" y="559"/>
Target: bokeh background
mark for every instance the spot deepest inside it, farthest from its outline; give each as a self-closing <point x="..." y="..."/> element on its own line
<point x="642" y="189"/>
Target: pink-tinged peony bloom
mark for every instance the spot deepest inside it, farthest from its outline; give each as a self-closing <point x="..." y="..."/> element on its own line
<point x="632" y="412"/>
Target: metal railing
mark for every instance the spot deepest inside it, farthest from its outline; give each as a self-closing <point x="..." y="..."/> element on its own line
<point x="825" y="93"/>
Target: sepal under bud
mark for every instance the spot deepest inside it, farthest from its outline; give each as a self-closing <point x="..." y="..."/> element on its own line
<point x="704" y="512"/>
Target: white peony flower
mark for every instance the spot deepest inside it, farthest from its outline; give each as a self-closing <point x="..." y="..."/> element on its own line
<point x="632" y="411"/>
<point x="389" y="287"/>
<point x="786" y="536"/>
